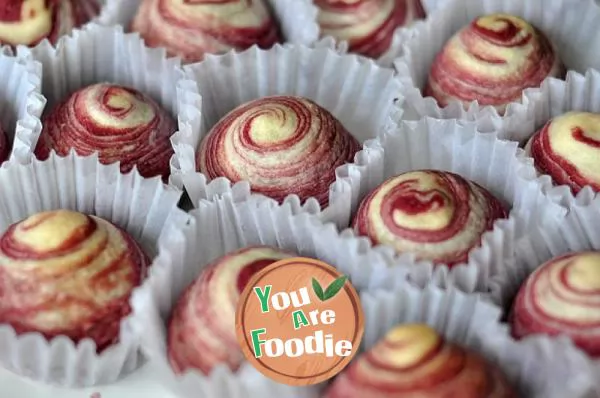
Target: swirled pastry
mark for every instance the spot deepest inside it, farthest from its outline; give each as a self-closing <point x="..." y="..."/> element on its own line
<point x="438" y="216"/>
<point x="492" y="61"/>
<point x="562" y="297"/>
<point x="282" y="145"/>
<point x="413" y="361"/>
<point x="202" y="328"/>
<point x="28" y="22"/>
<point x="567" y="149"/>
<point x="64" y="273"/>
<point x="192" y="28"/>
<point x="120" y="123"/>
<point x="367" y="25"/>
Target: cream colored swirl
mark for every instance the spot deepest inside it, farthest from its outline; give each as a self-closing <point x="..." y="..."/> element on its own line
<point x="414" y="361"/>
<point x="438" y="216"/>
<point x="282" y="145"/>
<point x="567" y="149"/>
<point x="562" y="297"/>
<point x="202" y="328"/>
<point x="367" y="25"/>
<point x="66" y="273"/>
<point x="30" y="21"/>
<point x="192" y="28"/>
<point x="492" y="61"/>
<point x="120" y="123"/>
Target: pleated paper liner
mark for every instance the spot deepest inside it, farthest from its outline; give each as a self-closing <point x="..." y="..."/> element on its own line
<point x="357" y="92"/>
<point x="297" y="18"/>
<point x="497" y="165"/>
<point x="140" y="206"/>
<point x="100" y="54"/>
<point x="578" y="92"/>
<point x="21" y="101"/>
<point x="535" y="368"/>
<point x="565" y="23"/>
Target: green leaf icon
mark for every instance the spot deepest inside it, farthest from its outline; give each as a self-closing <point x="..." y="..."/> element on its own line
<point x="334" y="288"/>
<point x="318" y="289"/>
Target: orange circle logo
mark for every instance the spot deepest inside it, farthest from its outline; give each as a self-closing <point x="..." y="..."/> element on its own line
<point x="299" y="321"/>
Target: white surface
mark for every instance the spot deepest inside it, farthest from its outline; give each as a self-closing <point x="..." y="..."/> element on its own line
<point x="144" y="383"/>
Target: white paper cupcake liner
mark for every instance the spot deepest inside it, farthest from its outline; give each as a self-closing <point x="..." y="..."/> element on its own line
<point x="99" y="54"/>
<point x="140" y="206"/>
<point x="297" y="18"/>
<point x="534" y="367"/>
<point x="358" y="92"/>
<point x="566" y="23"/>
<point x="21" y="101"/>
<point x="217" y="228"/>
<point x="498" y="165"/>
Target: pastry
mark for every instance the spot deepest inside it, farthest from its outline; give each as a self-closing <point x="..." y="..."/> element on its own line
<point x="492" y="61"/>
<point x="562" y="297"/>
<point x="567" y="149"/>
<point x="367" y="25"/>
<point x="191" y="29"/>
<point x="436" y="215"/>
<point x="64" y="273"/>
<point x="28" y="22"/>
<point x="202" y="328"/>
<point x="415" y="361"/>
<point x="120" y="123"/>
<point x="282" y="145"/>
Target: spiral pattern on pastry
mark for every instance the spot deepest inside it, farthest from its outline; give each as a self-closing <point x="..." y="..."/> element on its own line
<point x="119" y="123"/>
<point x="28" y="22"/>
<point x="282" y="145"/>
<point x="492" y="61"/>
<point x="438" y="216"/>
<point x="567" y="149"/>
<point x="192" y="28"/>
<point x="414" y="361"/>
<point x="562" y="297"/>
<point x="367" y="25"/>
<point x="202" y="328"/>
<point x="64" y="273"/>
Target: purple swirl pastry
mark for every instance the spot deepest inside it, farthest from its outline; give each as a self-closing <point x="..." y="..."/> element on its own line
<point x="567" y="149"/>
<point x="367" y="25"/>
<point x="562" y="297"/>
<point x="64" y="273"/>
<point x="415" y="361"/>
<point x="282" y="145"/>
<point x="190" y="29"/>
<point x="120" y="123"/>
<point x="202" y="329"/>
<point x="492" y="61"/>
<point x="28" y="22"/>
<point x="438" y="216"/>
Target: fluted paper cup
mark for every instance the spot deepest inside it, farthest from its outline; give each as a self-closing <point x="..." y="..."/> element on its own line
<point x="534" y="368"/>
<point x="297" y="18"/>
<point x="357" y="92"/>
<point x="217" y="228"/>
<point x="99" y="54"/>
<point x="142" y="207"/>
<point x="566" y="24"/>
<point x="21" y="100"/>
<point x="497" y="165"/>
